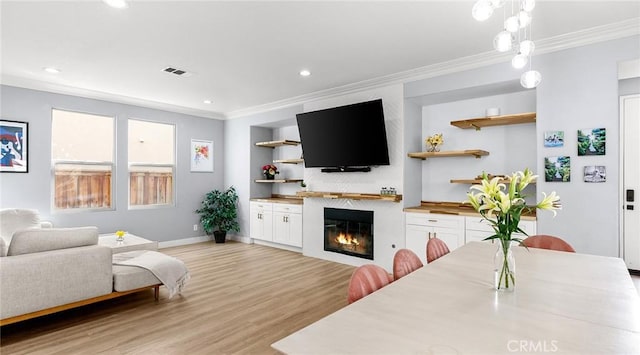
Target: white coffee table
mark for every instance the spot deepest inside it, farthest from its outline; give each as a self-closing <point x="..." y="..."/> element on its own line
<point x="131" y="242"/>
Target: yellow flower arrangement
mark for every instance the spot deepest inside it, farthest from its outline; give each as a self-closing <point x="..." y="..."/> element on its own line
<point x="120" y="235"/>
<point x="433" y="142"/>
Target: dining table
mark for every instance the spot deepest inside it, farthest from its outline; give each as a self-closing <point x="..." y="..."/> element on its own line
<point x="566" y="303"/>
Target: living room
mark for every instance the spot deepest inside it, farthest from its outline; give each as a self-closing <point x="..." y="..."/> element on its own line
<point x="581" y="88"/>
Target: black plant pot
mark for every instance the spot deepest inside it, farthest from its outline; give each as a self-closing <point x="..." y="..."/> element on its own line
<point x="220" y="236"/>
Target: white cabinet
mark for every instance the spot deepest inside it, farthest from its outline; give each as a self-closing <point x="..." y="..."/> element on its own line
<point x="421" y="226"/>
<point x="287" y="224"/>
<point x="276" y="222"/>
<point x="261" y="220"/>
<point x="477" y="228"/>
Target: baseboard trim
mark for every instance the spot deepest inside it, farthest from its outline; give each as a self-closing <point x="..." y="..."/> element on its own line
<point x="276" y="245"/>
<point x="185" y="241"/>
<point x="241" y="239"/>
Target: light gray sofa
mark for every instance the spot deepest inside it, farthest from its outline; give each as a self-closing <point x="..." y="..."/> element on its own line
<point x="47" y="268"/>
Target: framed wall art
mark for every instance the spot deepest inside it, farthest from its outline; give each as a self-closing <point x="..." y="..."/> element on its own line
<point x="592" y="141"/>
<point x="553" y="139"/>
<point x="201" y="156"/>
<point x="14" y="139"/>
<point x="595" y="173"/>
<point x="557" y="169"/>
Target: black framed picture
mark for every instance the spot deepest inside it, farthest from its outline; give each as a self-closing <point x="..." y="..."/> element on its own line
<point x="14" y="144"/>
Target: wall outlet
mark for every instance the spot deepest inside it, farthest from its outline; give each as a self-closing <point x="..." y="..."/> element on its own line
<point x="195" y="227"/>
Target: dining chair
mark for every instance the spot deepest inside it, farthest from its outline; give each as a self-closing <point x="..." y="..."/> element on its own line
<point x="436" y="249"/>
<point x="405" y="262"/>
<point x="542" y="241"/>
<point x="365" y="280"/>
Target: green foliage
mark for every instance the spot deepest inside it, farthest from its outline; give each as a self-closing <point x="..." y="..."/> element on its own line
<point x="219" y="209"/>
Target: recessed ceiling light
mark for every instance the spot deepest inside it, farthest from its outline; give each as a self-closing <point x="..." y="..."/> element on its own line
<point x="305" y="72"/>
<point x="51" y="70"/>
<point x="118" y="4"/>
<point x="207" y="101"/>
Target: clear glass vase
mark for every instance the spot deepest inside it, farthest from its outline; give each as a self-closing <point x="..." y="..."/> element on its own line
<point x="504" y="267"/>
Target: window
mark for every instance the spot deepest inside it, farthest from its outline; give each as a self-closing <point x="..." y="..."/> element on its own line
<point x="151" y="163"/>
<point x="82" y="147"/>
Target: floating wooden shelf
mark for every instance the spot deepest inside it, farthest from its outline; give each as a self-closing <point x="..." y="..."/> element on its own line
<point x="451" y="153"/>
<point x="477" y="181"/>
<point x="477" y="123"/>
<point x="278" y="181"/>
<point x="350" y="195"/>
<point x="289" y="161"/>
<point x="280" y="143"/>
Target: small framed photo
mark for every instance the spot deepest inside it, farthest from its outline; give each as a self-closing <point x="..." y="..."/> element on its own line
<point x="201" y="156"/>
<point x="14" y="138"/>
<point x="595" y="173"/>
<point x="557" y="169"/>
<point x="553" y="139"/>
<point x="592" y="141"/>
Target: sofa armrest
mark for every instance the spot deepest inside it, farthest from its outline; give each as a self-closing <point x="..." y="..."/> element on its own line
<point x="32" y="282"/>
<point x="46" y="224"/>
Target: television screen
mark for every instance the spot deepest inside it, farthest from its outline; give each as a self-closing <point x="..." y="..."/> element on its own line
<point x="345" y="136"/>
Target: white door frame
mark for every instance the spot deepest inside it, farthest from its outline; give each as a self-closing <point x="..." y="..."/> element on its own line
<point x="621" y="192"/>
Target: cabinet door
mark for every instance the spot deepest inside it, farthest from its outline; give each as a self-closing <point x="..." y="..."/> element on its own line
<point x="280" y="228"/>
<point x="454" y="238"/>
<point x="267" y="225"/>
<point x="416" y="240"/>
<point x="255" y="223"/>
<point x="295" y="230"/>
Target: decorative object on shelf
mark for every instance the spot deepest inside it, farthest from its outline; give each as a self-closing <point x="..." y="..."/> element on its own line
<point x="592" y="141"/>
<point x="13" y="152"/>
<point x="502" y="208"/>
<point x="515" y="36"/>
<point x="595" y="173"/>
<point x="120" y="236"/>
<point x="391" y="191"/>
<point x="434" y="142"/>
<point x="269" y="171"/>
<point x="557" y="169"/>
<point x="304" y="185"/>
<point x="219" y="209"/>
<point x="201" y="156"/>
<point x="553" y="139"/>
<point x="492" y="112"/>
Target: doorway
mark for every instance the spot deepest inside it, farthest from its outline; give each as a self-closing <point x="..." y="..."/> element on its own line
<point x="630" y="163"/>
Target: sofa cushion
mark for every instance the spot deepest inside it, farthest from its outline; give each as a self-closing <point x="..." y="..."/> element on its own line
<point x="3" y="248"/>
<point x="14" y="219"/>
<point x="38" y="240"/>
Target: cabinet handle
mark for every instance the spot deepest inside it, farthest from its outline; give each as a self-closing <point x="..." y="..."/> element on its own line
<point x="433" y="220"/>
<point x="259" y="215"/>
<point x="434" y="234"/>
<point x="429" y="235"/>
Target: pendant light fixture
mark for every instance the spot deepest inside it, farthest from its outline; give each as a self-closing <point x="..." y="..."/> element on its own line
<point x="515" y="36"/>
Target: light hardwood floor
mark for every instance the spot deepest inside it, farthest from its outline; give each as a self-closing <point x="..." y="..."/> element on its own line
<point x="241" y="298"/>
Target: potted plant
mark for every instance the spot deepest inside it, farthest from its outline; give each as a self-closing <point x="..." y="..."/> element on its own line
<point x="219" y="212"/>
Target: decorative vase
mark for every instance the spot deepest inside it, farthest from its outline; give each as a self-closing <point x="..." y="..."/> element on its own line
<point x="269" y="176"/>
<point x="220" y="236"/>
<point x="119" y="238"/>
<point x="504" y="267"/>
<point x="433" y="148"/>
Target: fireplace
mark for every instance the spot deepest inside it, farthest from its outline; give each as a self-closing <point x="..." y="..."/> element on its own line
<point x="349" y="232"/>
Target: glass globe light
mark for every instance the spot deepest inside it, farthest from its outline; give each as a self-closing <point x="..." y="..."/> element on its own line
<point x="527" y="47"/>
<point x="528" y="5"/>
<point x="482" y="10"/>
<point x="524" y="19"/>
<point x="512" y="24"/>
<point x="530" y="79"/>
<point x="503" y="41"/>
<point x="519" y="61"/>
<point x="497" y="3"/>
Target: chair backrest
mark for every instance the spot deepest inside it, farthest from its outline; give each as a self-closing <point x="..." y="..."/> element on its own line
<point x="550" y="242"/>
<point x="365" y="280"/>
<point x="436" y="249"/>
<point x="405" y="262"/>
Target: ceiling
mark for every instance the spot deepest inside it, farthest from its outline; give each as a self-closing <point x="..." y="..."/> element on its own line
<point x="246" y="56"/>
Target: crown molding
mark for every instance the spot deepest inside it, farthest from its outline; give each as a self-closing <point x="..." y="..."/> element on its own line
<point x="105" y="96"/>
<point x="588" y="36"/>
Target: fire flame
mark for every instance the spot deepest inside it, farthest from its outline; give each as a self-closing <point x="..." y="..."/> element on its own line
<point x="347" y="239"/>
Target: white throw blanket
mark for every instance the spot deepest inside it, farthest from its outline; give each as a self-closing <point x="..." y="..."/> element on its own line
<point x="170" y="271"/>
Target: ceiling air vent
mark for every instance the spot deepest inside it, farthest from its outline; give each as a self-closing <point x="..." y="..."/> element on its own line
<point x="175" y="71"/>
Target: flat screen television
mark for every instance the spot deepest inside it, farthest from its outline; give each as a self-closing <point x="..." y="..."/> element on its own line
<point x="345" y="138"/>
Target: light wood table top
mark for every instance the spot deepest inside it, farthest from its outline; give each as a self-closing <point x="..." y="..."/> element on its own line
<point x="563" y="303"/>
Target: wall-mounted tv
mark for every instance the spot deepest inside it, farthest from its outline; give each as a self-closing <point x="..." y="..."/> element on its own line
<point x="345" y="138"/>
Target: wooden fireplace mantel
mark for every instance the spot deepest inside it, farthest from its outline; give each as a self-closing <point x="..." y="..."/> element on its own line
<point x="349" y="195"/>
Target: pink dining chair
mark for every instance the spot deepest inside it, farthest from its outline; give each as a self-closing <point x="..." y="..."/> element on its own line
<point x="436" y="249"/>
<point x="365" y="280"/>
<point x="542" y="241"/>
<point x="405" y="262"/>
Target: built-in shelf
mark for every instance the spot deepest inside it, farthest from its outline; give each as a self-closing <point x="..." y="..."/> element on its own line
<point x="289" y="161"/>
<point x="349" y="195"/>
<point x="451" y="153"/>
<point x="280" y="143"/>
<point x="477" y="123"/>
<point x="278" y="181"/>
<point x="478" y="181"/>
